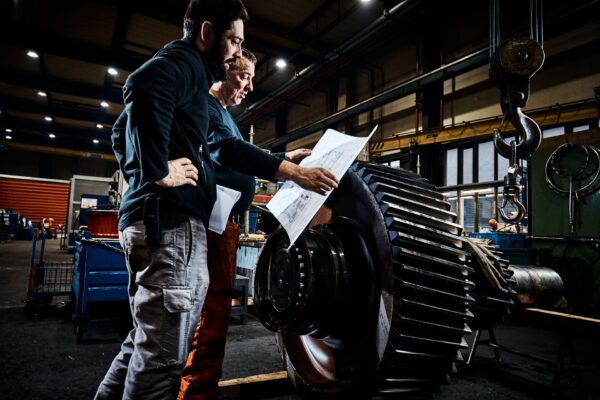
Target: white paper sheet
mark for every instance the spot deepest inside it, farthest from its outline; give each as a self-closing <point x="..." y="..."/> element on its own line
<point x="293" y="206"/>
<point x="226" y="198"/>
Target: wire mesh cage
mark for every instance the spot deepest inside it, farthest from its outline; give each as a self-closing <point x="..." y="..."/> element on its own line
<point x="50" y="279"/>
<point x="47" y="279"/>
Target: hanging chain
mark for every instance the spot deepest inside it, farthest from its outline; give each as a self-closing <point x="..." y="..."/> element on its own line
<point x="102" y="243"/>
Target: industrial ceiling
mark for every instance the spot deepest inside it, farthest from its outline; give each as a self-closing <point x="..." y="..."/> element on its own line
<point x="63" y="62"/>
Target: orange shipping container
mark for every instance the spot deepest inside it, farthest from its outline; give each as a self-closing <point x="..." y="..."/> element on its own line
<point x="35" y="199"/>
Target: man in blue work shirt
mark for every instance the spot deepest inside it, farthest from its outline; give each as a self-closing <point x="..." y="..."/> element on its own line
<point x="203" y="368"/>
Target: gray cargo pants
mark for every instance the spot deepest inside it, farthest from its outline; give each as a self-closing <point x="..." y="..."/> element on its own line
<point x="167" y="287"/>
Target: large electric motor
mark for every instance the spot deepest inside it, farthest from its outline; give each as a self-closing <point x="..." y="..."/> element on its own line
<point x="376" y="299"/>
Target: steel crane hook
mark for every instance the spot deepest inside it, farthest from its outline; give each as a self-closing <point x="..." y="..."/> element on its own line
<point x="513" y="200"/>
<point x="529" y="135"/>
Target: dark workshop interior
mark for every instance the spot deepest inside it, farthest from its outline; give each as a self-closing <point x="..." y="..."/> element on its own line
<point x="459" y="257"/>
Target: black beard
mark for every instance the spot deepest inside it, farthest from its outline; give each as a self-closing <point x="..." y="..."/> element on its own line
<point x="216" y="63"/>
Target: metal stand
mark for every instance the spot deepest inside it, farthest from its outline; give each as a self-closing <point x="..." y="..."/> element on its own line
<point x="566" y="347"/>
<point x="241" y="286"/>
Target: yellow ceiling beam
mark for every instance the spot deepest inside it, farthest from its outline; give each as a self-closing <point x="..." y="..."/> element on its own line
<point x="58" y="151"/>
<point x="478" y="129"/>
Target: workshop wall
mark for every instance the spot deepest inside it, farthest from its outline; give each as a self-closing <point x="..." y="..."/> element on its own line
<point x="307" y="108"/>
<point x="52" y="166"/>
<point x="15" y="162"/>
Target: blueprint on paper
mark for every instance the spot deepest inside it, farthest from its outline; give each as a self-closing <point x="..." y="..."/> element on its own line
<point x="293" y="206"/>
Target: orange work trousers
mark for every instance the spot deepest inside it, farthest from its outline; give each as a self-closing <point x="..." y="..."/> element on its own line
<point x="202" y="371"/>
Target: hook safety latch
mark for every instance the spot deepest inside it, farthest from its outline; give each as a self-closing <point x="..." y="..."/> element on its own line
<point x="511" y="194"/>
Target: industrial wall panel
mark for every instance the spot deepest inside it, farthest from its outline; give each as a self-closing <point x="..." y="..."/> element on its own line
<point x="35" y="200"/>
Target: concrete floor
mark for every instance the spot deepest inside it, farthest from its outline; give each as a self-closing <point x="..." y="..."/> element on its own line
<point x="41" y="360"/>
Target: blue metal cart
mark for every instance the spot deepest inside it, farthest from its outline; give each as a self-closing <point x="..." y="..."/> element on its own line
<point x="99" y="275"/>
<point x="46" y="279"/>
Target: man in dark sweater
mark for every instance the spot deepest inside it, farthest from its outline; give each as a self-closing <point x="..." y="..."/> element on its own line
<point x="164" y="212"/>
<point x="202" y="371"/>
<point x="160" y="141"/>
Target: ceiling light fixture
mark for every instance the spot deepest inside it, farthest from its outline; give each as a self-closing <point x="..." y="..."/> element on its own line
<point x="96" y="141"/>
<point x="99" y="126"/>
<point x="8" y="130"/>
<point x="32" y="54"/>
<point x="49" y="119"/>
<point x="52" y="136"/>
<point x="43" y="94"/>
<point x="112" y="71"/>
<point x="8" y="137"/>
<point x="103" y="104"/>
<point x="365" y="1"/>
<point x="280" y="63"/>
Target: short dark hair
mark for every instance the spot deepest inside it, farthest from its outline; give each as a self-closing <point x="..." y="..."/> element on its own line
<point x="220" y="13"/>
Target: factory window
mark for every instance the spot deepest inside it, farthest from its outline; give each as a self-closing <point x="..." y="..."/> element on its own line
<point x="451" y="198"/>
<point x="559" y="130"/>
<point x="486" y="161"/>
<point x="581" y="128"/>
<point x="467" y="166"/>
<point x="451" y="167"/>
<point x="486" y="210"/>
<point x="468" y="213"/>
<point x="476" y="163"/>
<point x="480" y="200"/>
<point x="502" y="164"/>
<point x="482" y="172"/>
<point x="395" y="163"/>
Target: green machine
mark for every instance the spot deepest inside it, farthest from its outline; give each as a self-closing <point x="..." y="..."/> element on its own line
<point x="564" y="215"/>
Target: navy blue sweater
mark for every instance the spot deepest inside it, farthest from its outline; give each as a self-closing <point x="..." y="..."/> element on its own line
<point x="165" y="118"/>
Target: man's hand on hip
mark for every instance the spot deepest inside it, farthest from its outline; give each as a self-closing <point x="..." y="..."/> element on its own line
<point x="181" y="172"/>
